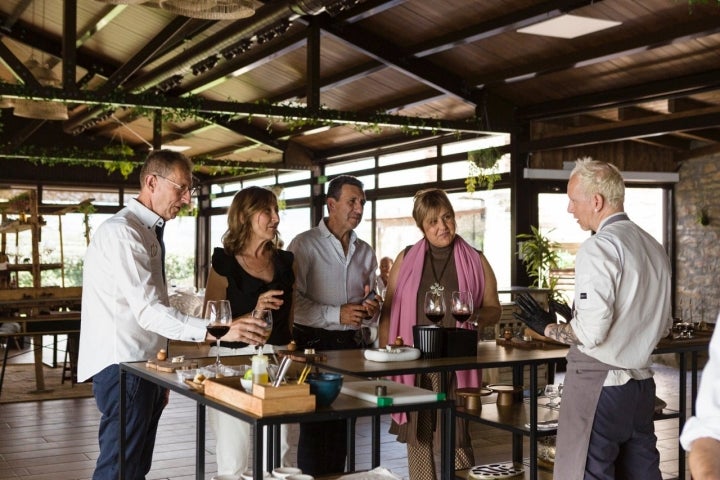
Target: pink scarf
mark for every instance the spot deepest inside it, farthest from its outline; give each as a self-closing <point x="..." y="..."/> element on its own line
<point x="403" y="311"/>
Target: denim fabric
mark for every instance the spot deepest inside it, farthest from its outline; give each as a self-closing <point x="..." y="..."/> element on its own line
<point x="144" y="405"/>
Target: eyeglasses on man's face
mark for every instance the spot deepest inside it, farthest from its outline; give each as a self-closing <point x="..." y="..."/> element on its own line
<point x="181" y="189"/>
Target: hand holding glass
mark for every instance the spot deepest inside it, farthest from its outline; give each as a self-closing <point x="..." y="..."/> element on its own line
<point x="219" y="316"/>
<point x="265" y="316"/>
<point x="434" y="306"/>
<point x="462" y="306"/>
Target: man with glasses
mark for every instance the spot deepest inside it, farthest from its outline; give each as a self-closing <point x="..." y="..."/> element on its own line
<point x="126" y="315"/>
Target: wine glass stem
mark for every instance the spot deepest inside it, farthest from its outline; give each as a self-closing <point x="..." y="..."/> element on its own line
<point x="217" y="353"/>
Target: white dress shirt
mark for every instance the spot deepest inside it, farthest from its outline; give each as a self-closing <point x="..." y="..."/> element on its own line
<point x="706" y="422"/>
<point x="126" y="315"/>
<point x="326" y="278"/>
<point x="622" y="298"/>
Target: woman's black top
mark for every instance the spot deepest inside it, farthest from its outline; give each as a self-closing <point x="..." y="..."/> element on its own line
<point x="243" y="291"/>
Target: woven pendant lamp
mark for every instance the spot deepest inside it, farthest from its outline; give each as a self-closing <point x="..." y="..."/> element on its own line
<point x="210" y="9"/>
<point x="41" y="109"/>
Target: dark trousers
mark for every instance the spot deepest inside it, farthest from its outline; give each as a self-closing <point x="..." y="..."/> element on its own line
<point x="144" y="405"/>
<point x="623" y="441"/>
<point x="322" y="446"/>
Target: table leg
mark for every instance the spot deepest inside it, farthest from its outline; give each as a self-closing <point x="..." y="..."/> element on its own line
<point x="375" y="419"/>
<point x="682" y="414"/>
<point x="350" y="429"/>
<point x="533" y="421"/>
<point x="447" y="431"/>
<point x="200" y="442"/>
<point x="258" y="468"/>
<point x="39" y="374"/>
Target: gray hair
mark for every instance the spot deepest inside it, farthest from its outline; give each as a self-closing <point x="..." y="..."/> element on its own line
<point x="600" y="177"/>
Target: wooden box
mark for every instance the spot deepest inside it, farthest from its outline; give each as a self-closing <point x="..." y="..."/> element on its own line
<point x="265" y="400"/>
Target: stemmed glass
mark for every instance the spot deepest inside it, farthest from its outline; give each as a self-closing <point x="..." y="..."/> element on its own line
<point x="462" y="306"/>
<point x="434" y="306"/>
<point x="265" y="316"/>
<point x="219" y="316"/>
<point x="551" y="392"/>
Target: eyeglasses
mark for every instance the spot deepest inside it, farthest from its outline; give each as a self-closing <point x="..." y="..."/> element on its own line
<point x="182" y="189"/>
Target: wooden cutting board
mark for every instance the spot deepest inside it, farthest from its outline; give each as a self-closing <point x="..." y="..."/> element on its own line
<point x="277" y="401"/>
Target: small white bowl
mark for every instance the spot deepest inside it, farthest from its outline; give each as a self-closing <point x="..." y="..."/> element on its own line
<point x="300" y="476"/>
<point x="246" y="384"/>
<point x="284" y="472"/>
<point x="225" y="477"/>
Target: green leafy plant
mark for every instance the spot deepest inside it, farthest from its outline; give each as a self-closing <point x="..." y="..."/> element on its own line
<point x="482" y="168"/>
<point x="540" y="255"/>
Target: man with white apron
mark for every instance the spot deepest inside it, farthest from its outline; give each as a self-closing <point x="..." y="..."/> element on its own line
<point x="621" y="311"/>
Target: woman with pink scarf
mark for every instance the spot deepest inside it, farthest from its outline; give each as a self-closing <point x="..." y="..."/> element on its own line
<point x="444" y="262"/>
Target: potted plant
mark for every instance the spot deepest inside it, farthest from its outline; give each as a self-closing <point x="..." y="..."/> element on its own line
<point x="482" y="169"/>
<point x="540" y="255"/>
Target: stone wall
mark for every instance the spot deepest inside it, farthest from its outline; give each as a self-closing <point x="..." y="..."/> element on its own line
<point x="697" y="263"/>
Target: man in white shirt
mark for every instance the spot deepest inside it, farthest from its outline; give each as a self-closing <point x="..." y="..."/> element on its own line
<point x="126" y="315"/>
<point x="335" y="271"/>
<point x="621" y="311"/>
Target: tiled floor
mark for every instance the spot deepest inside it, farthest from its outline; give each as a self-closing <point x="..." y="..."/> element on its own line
<point x="58" y="440"/>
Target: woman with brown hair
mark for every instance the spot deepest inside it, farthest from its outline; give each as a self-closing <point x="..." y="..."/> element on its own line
<point x="252" y="272"/>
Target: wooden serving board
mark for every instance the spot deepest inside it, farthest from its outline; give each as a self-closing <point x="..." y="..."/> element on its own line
<point x="167" y="366"/>
<point x="284" y="399"/>
<point x="298" y="356"/>
<point x="520" y="343"/>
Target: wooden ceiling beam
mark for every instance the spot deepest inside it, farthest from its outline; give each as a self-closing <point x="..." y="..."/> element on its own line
<point x="393" y="56"/>
<point x="603" y="52"/>
<point x="640" y="93"/>
<point x="628" y="130"/>
<point x="505" y="23"/>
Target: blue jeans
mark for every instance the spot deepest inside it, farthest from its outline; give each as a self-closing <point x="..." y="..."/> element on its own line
<point x="144" y="404"/>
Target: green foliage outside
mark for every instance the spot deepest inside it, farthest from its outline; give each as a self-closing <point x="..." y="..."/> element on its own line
<point x="179" y="270"/>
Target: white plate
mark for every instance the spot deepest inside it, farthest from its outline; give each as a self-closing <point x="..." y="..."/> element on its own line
<point x="395" y="354"/>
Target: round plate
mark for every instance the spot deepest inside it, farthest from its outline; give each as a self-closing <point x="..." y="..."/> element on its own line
<point x="395" y="354"/>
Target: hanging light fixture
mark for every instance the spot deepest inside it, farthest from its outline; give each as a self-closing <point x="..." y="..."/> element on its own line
<point x="123" y="2"/>
<point x="210" y="9"/>
<point x="41" y="109"/>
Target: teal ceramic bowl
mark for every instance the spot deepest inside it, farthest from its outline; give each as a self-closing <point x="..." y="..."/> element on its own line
<point x="325" y="386"/>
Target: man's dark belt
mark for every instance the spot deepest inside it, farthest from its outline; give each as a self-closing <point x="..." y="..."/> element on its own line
<point x="322" y="339"/>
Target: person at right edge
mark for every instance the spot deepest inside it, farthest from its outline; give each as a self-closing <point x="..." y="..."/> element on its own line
<point x="621" y="311"/>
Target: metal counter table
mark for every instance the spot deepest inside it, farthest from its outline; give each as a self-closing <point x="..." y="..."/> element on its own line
<point x="344" y="407"/>
<point x="490" y="355"/>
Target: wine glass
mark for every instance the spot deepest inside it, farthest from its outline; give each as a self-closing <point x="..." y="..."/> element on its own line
<point x="434" y="306"/>
<point x="265" y="316"/>
<point x="219" y="316"/>
<point x="552" y="392"/>
<point x="462" y="306"/>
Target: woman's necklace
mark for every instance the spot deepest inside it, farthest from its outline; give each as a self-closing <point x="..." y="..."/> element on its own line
<point x="256" y="271"/>
<point x="436" y="287"/>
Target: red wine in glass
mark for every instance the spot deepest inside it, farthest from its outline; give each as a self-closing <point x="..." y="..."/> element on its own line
<point x="218" y="331"/>
<point x="462" y="306"/>
<point x="434" y="306"/>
